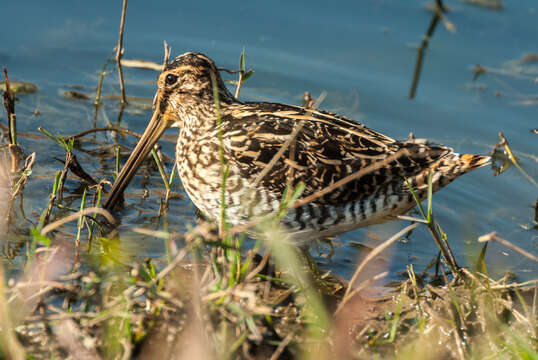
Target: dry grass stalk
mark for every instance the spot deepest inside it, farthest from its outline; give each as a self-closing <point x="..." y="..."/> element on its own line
<point x="119" y="52"/>
<point x="492" y="236"/>
<point x="438" y="11"/>
<point x="350" y="292"/>
<point x="15" y="150"/>
<point x="75" y="216"/>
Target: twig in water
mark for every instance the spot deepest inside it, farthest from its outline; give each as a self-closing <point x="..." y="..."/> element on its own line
<point x="25" y="173"/>
<point x="94" y="130"/>
<point x="77" y="169"/>
<point x="479" y="70"/>
<point x="378" y="249"/>
<point x="308" y="102"/>
<point x="119" y="52"/>
<point x="75" y="216"/>
<point x="493" y="237"/>
<point x="97" y="101"/>
<point x="45" y="215"/>
<point x="9" y="104"/>
<point x="163" y="175"/>
<point x="120" y="114"/>
<point x="433" y="227"/>
<point x="63" y="176"/>
<point x="141" y="64"/>
<point x="361" y="286"/>
<point x="437" y="14"/>
<point x="504" y="143"/>
<point x="155" y="152"/>
<point x="512" y="157"/>
<point x="167" y="52"/>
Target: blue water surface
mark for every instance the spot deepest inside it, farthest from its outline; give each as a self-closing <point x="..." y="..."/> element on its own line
<point x="362" y="53"/>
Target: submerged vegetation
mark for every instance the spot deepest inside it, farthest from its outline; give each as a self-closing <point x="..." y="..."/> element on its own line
<point x="79" y="293"/>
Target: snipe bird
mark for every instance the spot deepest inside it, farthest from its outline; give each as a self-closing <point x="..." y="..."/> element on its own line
<point x="326" y="149"/>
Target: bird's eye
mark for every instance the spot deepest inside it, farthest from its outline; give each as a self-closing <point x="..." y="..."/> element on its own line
<point x="171" y="79"/>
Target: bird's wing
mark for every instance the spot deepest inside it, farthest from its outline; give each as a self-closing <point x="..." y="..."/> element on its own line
<point x="326" y="149"/>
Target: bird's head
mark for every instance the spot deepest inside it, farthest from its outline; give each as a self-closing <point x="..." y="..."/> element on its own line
<point x="184" y="97"/>
<point x="186" y="87"/>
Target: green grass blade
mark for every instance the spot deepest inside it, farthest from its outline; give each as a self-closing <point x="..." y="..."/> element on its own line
<point x="117" y="168"/>
<point x="480" y="263"/>
<point x="396" y="319"/>
<point x="54" y="138"/>
<point x="242" y="61"/>
<point x="417" y="200"/>
<point x="81" y="218"/>
<point x="430" y="196"/>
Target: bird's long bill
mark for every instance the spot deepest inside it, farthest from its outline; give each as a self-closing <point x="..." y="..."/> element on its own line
<point x="153" y="132"/>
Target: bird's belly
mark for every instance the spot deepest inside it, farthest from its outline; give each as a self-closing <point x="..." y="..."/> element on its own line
<point x="308" y="222"/>
<point x="312" y="222"/>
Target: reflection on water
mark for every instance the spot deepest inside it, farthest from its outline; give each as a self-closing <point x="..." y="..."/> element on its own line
<point x="361" y="53"/>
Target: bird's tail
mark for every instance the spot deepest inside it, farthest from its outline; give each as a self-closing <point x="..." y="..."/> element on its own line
<point x="448" y="168"/>
<point x="472" y="161"/>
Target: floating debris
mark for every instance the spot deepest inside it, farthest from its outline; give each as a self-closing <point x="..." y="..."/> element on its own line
<point x="76" y="86"/>
<point x="308" y="102"/>
<point x="71" y="94"/>
<point x="74" y="165"/>
<point x="479" y="70"/>
<point x="142" y="64"/>
<point x="20" y="87"/>
<point x="144" y="103"/>
<point x="486" y="4"/>
<point x="529" y="58"/>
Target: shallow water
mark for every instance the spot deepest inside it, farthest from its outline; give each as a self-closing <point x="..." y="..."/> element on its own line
<point x="361" y="53"/>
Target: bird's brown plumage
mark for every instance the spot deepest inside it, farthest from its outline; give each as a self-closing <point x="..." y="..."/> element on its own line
<point x="318" y="149"/>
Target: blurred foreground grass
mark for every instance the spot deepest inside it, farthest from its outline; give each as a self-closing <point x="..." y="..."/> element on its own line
<point x="213" y="300"/>
<point x="190" y="308"/>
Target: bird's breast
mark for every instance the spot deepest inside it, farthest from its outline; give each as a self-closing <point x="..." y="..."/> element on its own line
<point x="201" y="170"/>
